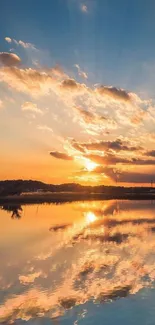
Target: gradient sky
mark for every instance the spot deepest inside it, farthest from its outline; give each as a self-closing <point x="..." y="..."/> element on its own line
<point x="77" y="101"/>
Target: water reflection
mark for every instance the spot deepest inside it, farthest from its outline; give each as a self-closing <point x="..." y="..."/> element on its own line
<point x="14" y="209"/>
<point x="60" y="257"/>
<point x="90" y="217"/>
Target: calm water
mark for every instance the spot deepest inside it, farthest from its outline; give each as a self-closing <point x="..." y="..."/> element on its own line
<point x="78" y="263"/>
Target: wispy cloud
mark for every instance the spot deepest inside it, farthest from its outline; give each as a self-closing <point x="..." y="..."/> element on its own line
<point x="80" y="72"/>
<point x="84" y="8"/>
<point x="25" y="45"/>
<point x="44" y="128"/>
<point x="32" y="107"/>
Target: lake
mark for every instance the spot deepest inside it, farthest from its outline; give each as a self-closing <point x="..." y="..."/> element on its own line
<point x="90" y="262"/>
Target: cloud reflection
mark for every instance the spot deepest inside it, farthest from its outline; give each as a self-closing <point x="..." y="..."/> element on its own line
<point x="104" y="254"/>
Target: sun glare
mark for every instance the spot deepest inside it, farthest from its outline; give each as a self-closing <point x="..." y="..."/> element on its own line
<point x="90" y="216"/>
<point x="90" y="165"/>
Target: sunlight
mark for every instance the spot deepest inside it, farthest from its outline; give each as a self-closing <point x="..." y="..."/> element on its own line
<point x="90" y="217"/>
<point x="90" y="165"/>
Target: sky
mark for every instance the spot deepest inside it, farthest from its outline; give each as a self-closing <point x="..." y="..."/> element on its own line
<point x="77" y="101"/>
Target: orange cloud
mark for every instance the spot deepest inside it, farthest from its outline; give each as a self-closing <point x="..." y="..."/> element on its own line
<point x="72" y="85"/>
<point x="60" y="155"/>
<point x="28" y="80"/>
<point x="9" y="59"/>
<point x="116" y="145"/>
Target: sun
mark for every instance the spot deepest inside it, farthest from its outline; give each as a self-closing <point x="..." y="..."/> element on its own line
<point x="90" y="217"/>
<point x="90" y="165"/>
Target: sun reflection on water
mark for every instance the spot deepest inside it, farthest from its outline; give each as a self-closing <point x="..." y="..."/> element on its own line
<point x="101" y="250"/>
<point x="90" y="217"/>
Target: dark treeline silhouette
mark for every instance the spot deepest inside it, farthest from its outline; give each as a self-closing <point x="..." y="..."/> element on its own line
<point x="29" y="191"/>
<point x="16" y="187"/>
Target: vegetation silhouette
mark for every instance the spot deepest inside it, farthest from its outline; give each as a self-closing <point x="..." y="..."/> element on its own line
<point x="15" y="210"/>
<point x="29" y="191"/>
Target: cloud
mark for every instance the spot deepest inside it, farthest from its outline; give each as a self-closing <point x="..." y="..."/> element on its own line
<point x="88" y="116"/>
<point x="9" y="59"/>
<point x="116" y="145"/>
<point x="60" y="155"/>
<point x="118" y="175"/>
<point x="37" y="81"/>
<point x="113" y="92"/>
<point x="150" y="153"/>
<point x="57" y="71"/>
<point x="71" y="85"/>
<point x="92" y="113"/>
<point x="28" y="80"/>
<point x="30" y="278"/>
<point x="94" y="122"/>
<point x="25" y="45"/>
<point x="108" y="159"/>
<point x="84" y="8"/>
<point x="110" y="153"/>
<point x="102" y="112"/>
<point x="8" y="39"/>
<point x="129" y="176"/>
<point x="80" y="72"/>
<point x="32" y="107"/>
<point x="138" y="161"/>
<point x="133" y="177"/>
<point x="94" y="277"/>
<point x="139" y="117"/>
<point x="44" y="128"/>
<point x="112" y="159"/>
<point x="77" y="146"/>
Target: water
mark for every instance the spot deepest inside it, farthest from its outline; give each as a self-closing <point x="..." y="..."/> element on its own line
<point x="78" y="263"/>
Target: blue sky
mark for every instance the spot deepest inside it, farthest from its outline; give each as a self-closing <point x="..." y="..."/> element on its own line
<point x="114" y="40"/>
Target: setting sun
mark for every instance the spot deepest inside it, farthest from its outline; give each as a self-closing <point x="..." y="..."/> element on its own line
<point x="90" y="165"/>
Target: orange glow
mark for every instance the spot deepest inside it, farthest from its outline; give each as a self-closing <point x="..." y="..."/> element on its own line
<point x="90" y="217"/>
<point x="90" y="165"/>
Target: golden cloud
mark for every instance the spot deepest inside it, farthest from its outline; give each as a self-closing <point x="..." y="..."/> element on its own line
<point x="9" y="59"/>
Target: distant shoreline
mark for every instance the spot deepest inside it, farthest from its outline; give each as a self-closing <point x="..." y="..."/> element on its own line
<point x="57" y="197"/>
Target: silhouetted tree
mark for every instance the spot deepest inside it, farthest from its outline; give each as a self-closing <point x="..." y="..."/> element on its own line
<point x="14" y="209"/>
